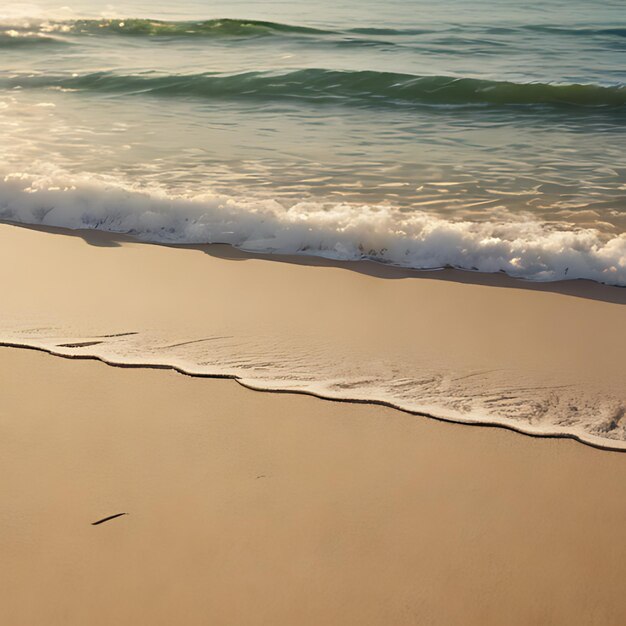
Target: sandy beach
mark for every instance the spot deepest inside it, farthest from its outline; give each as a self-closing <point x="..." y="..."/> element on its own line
<point x="543" y="358"/>
<point x="249" y="507"/>
<point x="257" y="508"/>
<point x="312" y="313"/>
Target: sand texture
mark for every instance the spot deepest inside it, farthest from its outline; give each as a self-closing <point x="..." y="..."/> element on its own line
<point x="541" y="358"/>
<point x="254" y="508"/>
<point x="248" y="508"/>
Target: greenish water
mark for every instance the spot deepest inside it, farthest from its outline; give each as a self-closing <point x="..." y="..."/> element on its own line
<point x="484" y="135"/>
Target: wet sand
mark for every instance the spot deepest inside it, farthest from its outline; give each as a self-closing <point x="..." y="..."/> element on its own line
<point x="541" y="358"/>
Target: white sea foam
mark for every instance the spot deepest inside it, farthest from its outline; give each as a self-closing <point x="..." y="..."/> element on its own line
<point x="545" y="403"/>
<point x="519" y="246"/>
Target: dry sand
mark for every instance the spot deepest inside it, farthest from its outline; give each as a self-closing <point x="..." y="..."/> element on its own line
<point x="256" y="508"/>
<point x="252" y="508"/>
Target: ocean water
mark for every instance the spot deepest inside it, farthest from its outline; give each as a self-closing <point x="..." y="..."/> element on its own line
<point x="485" y="135"/>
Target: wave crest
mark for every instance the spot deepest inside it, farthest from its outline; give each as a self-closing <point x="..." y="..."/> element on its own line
<point x="142" y="27"/>
<point x="202" y="28"/>
<point x="521" y="247"/>
<point x="333" y="86"/>
<point x="229" y="27"/>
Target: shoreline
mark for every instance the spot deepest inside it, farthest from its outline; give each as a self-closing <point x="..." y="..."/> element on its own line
<point x="296" y="333"/>
<point x="311" y="394"/>
<point x="258" y="310"/>
<point x="578" y="287"/>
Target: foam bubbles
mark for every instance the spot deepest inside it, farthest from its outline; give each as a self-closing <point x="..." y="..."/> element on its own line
<point x="520" y="246"/>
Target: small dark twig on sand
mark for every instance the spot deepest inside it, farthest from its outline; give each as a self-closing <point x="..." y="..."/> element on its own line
<point x="106" y="519"/>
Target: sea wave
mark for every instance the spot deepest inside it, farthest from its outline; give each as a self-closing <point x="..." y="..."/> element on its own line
<point x="138" y="27"/>
<point x="19" y="39"/>
<point x="603" y="31"/>
<point x="228" y="27"/>
<point x="197" y="28"/>
<point x="520" y="246"/>
<point x="325" y="85"/>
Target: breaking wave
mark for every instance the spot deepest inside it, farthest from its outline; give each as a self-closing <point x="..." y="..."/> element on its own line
<point x="520" y="246"/>
<point x="18" y="39"/>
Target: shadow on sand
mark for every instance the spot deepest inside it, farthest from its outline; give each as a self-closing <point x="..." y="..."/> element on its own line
<point x="576" y="287"/>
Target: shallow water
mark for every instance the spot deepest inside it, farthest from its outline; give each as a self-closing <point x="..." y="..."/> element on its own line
<point x="482" y="135"/>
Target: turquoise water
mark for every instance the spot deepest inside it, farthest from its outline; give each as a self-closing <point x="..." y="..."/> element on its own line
<point x="484" y="135"/>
